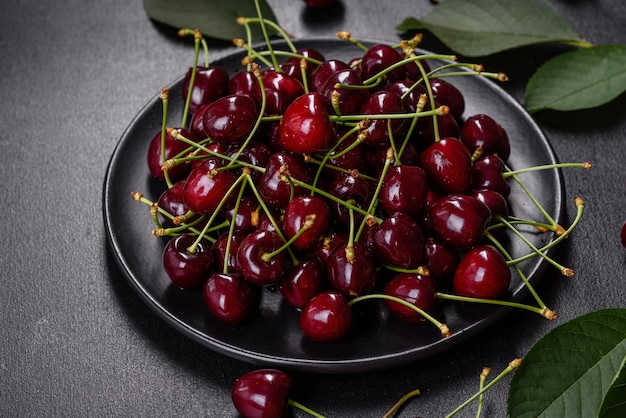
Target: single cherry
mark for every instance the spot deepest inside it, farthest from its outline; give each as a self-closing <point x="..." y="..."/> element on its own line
<point x="483" y="131"/>
<point x="482" y="273"/>
<point x="448" y="166"/>
<point x="398" y="241"/>
<point x="303" y="281"/>
<point x="352" y="269"/>
<point x="206" y="187"/>
<point x="231" y="119"/>
<point x="210" y="84"/>
<point x="459" y="220"/>
<point x="487" y="174"/>
<point x="326" y="317"/>
<point x="254" y="261"/>
<point x="418" y="290"/>
<point x="187" y="269"/>
<point x="274" y="185"/>
<point x="173" y="147"/>
<point x="262" y="393"/>
<point x="230" y="297"/>
<point x="404" y="189"/>
<point x="298" y="212"/>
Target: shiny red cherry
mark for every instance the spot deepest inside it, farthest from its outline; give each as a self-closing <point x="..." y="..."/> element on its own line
<point x="326" y="317"/>
<point x="251" y="257"/>
<point x="231" y="119"/>
<point x="205" y="187"/>
<point x="459" y="220"/>
<point x="404" y="189"/>
<point x="262" y="393"/>
<point x="418" y="290"/>
<point x="173" y="147"/>
<point x="230" y="297"/>
<point x="448" y="166"/>
<point x="298" y="212"/>
<point x="482" y="273"/>
<point x="483" y="131"/>
<point x="210" y="84"/>
<point x="187" y="269"/>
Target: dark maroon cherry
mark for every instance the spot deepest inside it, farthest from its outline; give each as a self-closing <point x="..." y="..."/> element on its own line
<point x="441" y="261"/>
<point x="375" y="158"/>
<point x="418" y="290"/>
<point x="255" y="152"/>
<point x="448" y="166"/>
<point x="496" y="203"/>
<point x="487" y="174"/>
<point x="352" y="270"/>
<point x="218" y="252"/>
<point x="281" y="90"/>
<point x="303" y="281"/>
<point x="262" y="393"/>
<point x="246" y="219"/>
<point x="186" y="269"/>
<point x="231" y="119"/>
<point x="171" y="200"/>
<point x="483" y="131"/>
<point x="459" y="220"/>
<point x="274" y="185"/>
<point x="349" y="160"/>
<point x="404" y="189"/>
<point x="306" y="127"/>
<point x="293" y="67"/>
<point x="349" y="100"/>
<point x="482" y="273"/>
<point x="398" y="241"/>
<point x="252" y="262"/>
<point x="173" y="147"/>
<point x="206" y="187"/>
<point x="196" y="124"/>
<point x="245" y="83"/>
<point x="410" y="94"/>
<point x="383" y="102"/>
<point x="326" y="317"/>
<point x="353" y="189"/>
<point x="328" y="245"/>
<point x="298" y="212"/>
<point x="378" y="58"/>
<point x="447" y="94"/>
<point x="324" y="71"/>
<point x="230" y="297"/>
<point x="623" y="234"/>
<point x="210" y="84"/>
<point x="447" y="127"/>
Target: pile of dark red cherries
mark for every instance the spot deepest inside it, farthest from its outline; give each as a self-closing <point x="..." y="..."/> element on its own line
<point x="332" y="182"/>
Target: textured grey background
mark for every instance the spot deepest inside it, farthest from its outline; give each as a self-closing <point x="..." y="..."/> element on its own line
<point x="76" y="341"/>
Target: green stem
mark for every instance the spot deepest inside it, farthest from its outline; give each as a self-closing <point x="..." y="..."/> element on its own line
<point x="304" y="408"/>
<point x="512" y="366"/>
<point x="165" y="93"/>
<point x="231" y="230"/>
<point x="507" y="174"/>
<point x="483" y="377"/>
<point x="457" y="298"/>
<point x="192" y="79"/>
<point x="401" y="402"/>
<point x="266" y="36"/>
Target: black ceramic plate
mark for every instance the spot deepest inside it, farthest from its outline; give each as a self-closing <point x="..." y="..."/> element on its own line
<point x="274" y="339"/>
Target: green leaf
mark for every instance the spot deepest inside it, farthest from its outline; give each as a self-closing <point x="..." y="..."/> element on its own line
<point x="614" y="405"/>
<point x="214" y="18"/>
<point x="569" y="371"/>
<point x="483" y="27"/>
<point x="580" y="79"/>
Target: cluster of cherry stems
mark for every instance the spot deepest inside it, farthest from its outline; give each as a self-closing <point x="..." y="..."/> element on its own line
<point x="335" y="182"/>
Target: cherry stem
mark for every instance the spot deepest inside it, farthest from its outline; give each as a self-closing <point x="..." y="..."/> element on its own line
<point x="164" y="96"/>
<point x="401" y="402"/>
<point x="445" y="331"/>
<point x="231" y="230"/>
<point x="288" y="54"/>
<point x="541" y="311"/>
<point x="483" y="378"/>
<point x="262" y="23"/>
<point x="416" y="59"/>
<point x="514" y="364"/>
<point x="531" y="197"/>
<point x="418" y="270"/>
<point x="185" y="31"/>
<point x="197" y="36"/>
<point x="269" y="215"/>
<point x="439" y="111"/>
<point x="308" y="223"/>
<point x="277" y="28"/>
<point x="347" y="36"/>
<point x="328" y="156"/>
<point x="586" y="165"/>
<point x="564" y="270"/>
<point x="580" y="208"/>
<point x="379" y="186"/>
<point x="252" y="54"/>
<point x="304" y="408"/>
<point x="431" y="99"/>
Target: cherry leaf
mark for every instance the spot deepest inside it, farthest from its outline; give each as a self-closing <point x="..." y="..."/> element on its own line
<point x="483" y="27"/>
<point x="579" y="79"/>
<point x="569" y="371"/>
<point x="216" y="19"/>
<point x="614" y="405"/>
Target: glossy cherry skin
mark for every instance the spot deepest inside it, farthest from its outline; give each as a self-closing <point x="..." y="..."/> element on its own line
<point x="448" y="166"/>
<point x="382" y="102"/>
<point x="281" y="90"/>
<point x="352" y="274"/>
<point x="231" y="119"/>
<point x="328" y="245"/>
<point x="324" y="71"/>
<point x="349" y="100"/>
<point x="303" y="281"/>
<point x="459" y="220"/>
<point x="378" y="58"/>
<point x="250" y="258"/>
<point x="171" y="201"/>
<point x="326" y="317"/>
<point x="205" y="188"/>
<point x="404" y="189"/>
<point x="298" y="212"/>
<point x="497" y="204"/>
<point x="447" y="94"/>
<point x="623" y="234"/>
<point x="245" y="83"/>
<point x="246" y="219"/>
<point x="262" y="393"/>
<point x="482" y="273"/>
<point x="210" y="84"/>
<point x="418" y="290"/>
<point x="487" y="174"/>
<point x="185" y="269"/>
<point x="230" y="297"/>
<point x="173" y="147"/>
<point x="306" y="127"/>
<point x="398" y="241"/>
<point x="293" y="66"/>
<point x="218" y="252"/>
<point x="348" y="187"/>
<point x="482" y="130"/>
<point x="441" y="261"/>
<point x="274" y="187"/>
